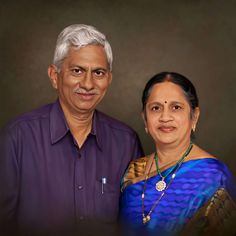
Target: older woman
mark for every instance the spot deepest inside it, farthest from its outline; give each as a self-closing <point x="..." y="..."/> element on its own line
<point x="180" y="187"/>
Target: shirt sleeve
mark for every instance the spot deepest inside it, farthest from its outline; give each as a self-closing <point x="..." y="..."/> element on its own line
<point x="9" y="178"/>
<point x="138" y="149"/>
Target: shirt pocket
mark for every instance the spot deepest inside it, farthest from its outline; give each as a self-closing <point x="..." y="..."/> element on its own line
<point x="107" y="201"/>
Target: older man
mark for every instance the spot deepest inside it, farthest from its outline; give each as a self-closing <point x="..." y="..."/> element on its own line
<point x="61" y="164"/>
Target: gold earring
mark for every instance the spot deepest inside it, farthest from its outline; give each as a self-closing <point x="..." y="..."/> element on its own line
<point x="146" y="130"/>
<point x="194" y="128"/>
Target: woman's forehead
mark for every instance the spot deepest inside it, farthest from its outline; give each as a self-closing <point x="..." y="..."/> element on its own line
<point x="166" y="91"/>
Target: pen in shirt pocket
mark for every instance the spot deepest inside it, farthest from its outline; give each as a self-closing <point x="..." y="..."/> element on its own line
<point x="104" y="181"/>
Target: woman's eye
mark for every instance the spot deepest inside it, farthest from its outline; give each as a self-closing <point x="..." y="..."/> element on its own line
<point x="176" y="107"/>
<point x="155" y="108"/>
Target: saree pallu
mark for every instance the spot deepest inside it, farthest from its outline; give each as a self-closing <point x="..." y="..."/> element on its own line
<point x="199" y="201"/>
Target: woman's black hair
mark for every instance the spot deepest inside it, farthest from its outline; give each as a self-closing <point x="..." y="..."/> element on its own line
<point x="186" y="85"/>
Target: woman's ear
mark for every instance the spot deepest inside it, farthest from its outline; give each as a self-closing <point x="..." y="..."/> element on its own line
<point x="53" y="75"/>
<point x="145" y="121"/>
<point x="195" y="118"/>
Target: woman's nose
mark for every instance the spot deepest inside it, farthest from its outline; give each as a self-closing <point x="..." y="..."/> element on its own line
<point x="165" y="115"/>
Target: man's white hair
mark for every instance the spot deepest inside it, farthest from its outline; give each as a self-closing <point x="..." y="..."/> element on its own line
<point x="78" y="36"/>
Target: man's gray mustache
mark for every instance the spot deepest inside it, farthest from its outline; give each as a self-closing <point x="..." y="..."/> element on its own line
<point x="87" y="92"/>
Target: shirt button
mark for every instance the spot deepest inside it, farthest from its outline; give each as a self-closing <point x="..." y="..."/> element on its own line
<point x="79" y="155"/>
<point x="80" y="187"/>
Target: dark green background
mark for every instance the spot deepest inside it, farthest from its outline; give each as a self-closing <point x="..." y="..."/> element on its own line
<point x="196" y="38"/>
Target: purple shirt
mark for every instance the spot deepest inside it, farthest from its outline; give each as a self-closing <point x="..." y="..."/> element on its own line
<point x="47" y="181"/>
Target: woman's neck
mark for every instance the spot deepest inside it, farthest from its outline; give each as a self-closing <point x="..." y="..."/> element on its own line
<point x="168" y="153"/>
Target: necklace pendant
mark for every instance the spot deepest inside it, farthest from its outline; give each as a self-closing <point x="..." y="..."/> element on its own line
<point x="146" y="219"/>
<point x="161" y="185"/>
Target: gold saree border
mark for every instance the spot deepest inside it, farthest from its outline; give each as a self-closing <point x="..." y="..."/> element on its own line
<point x="216" y="217"/>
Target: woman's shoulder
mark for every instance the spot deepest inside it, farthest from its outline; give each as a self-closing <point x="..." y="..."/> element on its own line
<point x="198" y="153"/>
<point x="137" y="167"/>
<point x="209" y="166"/>
<point x="140" y="160"/>
<point x="135" y="171"/>
<point x="202" y="157"/>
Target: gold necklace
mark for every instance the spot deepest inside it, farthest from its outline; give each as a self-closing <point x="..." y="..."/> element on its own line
<point x="147" y="218"/>
<point x="161" y="185"/>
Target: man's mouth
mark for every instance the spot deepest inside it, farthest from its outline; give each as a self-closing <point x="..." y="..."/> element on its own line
<point x="86" y="96"/>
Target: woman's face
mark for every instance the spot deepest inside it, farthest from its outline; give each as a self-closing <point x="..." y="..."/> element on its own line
<point x="168" y="115"/>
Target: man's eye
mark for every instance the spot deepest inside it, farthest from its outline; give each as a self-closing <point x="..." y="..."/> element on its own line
<point x="99" y="73"/>
<point x="76" y="71"/>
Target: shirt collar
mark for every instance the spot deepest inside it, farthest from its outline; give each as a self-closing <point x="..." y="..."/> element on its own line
<point x="58" y="124"/>
<point x="59" y="127"/>
<point x="97" y="129"/>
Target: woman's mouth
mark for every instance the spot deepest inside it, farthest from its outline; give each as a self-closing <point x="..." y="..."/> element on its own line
<point x="166" y="129"/>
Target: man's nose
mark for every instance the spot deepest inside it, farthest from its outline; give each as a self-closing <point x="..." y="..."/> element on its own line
<point x="87" y="81"/>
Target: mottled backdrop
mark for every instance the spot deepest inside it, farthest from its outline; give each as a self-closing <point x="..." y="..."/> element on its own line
<point x="194" y="37"/>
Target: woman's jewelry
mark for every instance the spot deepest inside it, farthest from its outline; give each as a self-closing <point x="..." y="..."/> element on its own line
<point x="147" y="218"/>
<point x="161" y="185"/>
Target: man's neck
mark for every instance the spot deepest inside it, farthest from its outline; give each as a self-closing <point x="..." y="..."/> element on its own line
<point x="80" y="124"/>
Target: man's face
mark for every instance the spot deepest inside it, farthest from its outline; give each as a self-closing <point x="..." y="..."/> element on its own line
<point x="83" y="79"/>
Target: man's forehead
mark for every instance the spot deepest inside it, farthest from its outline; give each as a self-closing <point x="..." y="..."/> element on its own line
<point x="87" y="56"/>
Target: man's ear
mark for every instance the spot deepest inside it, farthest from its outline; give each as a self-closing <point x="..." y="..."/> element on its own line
<point x="53" y="75"/>
<point x="110" y="77"/>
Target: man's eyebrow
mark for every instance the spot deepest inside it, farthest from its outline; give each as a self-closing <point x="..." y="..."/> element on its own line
<point x="78" y="66"/>
<point x="86" y="68"/>
<point x="99" y="68"/>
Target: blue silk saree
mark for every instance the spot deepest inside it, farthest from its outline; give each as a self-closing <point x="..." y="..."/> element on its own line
<point x="199" y="201"/>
